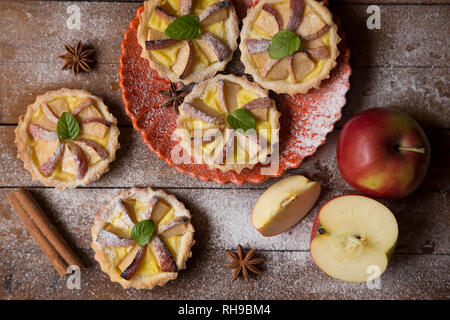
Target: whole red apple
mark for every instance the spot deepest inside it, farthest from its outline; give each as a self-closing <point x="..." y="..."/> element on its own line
<point x="383" y="152"/>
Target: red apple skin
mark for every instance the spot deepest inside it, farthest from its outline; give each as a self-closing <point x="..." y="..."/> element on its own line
<point x="368" y="156"/>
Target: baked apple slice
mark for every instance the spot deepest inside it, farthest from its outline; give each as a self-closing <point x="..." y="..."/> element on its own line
<point x="80" y="160"/>
<point x="318" y="53"/>
<point x="39" y="133"/>
<point x="222" y="152"/>
<point x="312" y="27"/>
<point x="130" y="264"/>
<point x="148" y="214"/>
<point x="125" y="214"/>
<point x="185" y="7"/>
<point x="160" y="44"/>
<point x="195" y="113"/>
<point x="86" y="102"/>
<point x="164" y="15"/>
<point x="250" y="143"/>
<point x="185" y="59"/>
<point x="220" y="49"/>
<point x="159" y="211"/>
<point x="50" y="164"/>
<point x="110" y="239"/>
<point x="174" y="227"/>
<point x="269" y="21"/>
<point x="296" y="8"/>
<point x="302" y="65"/>
<point x="221" y="96"/>
<point x="162" y="255"/>
<point x="214" y="13"/>
<point x="258" y="108"/>
<point x="49" y="113"/>
<point x="102" y="153"/>
<point x="255" y="46"/>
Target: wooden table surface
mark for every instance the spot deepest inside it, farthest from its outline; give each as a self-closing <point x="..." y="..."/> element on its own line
<point x="404" y="65"/>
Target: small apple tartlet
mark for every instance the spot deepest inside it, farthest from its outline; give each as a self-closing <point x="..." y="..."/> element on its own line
<point x="228" y="123"/>
<point x="67" y="138"/>
<point x="203" y="36"/>
<point x="142" y="238"/>
<point x="289" y="46"/>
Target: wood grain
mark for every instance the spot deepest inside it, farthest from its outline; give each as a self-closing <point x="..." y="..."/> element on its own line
<point x="102" y="26"/>
<point x="136" y="165"/>
<point x="406" y="86"/>
<point x="222" y="219"/>
<point x="287" y="275"/>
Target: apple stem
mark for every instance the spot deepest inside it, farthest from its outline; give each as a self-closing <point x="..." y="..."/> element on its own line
<point x="419" y="150"/>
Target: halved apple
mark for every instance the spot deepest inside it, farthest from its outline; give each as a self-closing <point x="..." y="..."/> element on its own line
<point x="284" y="204"/>
<point x="351" y="235"/>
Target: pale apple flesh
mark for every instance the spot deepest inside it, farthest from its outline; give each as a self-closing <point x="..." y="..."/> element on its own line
<point x="352" y="236"/>
<point x="284" y="204"/>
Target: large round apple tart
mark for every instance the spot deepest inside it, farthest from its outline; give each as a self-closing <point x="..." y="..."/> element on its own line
<point x="188" y="40"/>
<point x="229" y="123"/>
<point x="67" y="138"/>
<point x="142" y="238"/>
<point x="289" y="46"/>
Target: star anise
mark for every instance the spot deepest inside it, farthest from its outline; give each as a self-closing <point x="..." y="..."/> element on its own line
<point x="174" y="97"/>
<point x="76" y="58"/>
<point x="243" y="263"/>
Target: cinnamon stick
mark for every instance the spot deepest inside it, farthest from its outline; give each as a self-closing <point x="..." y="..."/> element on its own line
<point x="53" y="256"/>
<point x="51" y="242"/>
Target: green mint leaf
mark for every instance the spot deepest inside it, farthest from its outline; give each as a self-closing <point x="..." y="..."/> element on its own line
<point x="142" y="232"/>
<point x="67" y="126"/>
<point x="184" y="28"/>
<point x="241" y="119"/>
<point x="283" y="44"/>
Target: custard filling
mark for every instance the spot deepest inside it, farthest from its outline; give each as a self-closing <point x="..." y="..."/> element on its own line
<point x="95" y="131"/>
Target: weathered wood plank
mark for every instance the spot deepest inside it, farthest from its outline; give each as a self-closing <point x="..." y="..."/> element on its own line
<point x="137" y="165"/>
<point x="421" y="92"/>
<point x="36" y="31"/>
<point x="222" y="218"/>
<point x="286" y="275"/>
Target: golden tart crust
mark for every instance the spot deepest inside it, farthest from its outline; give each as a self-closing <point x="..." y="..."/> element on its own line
<point x="215" y="98"/>
<point x="116" y="219"/>
<point x="188" y="61"/>
<point x="306" y="68"/>
<point x="74" y="162"/>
